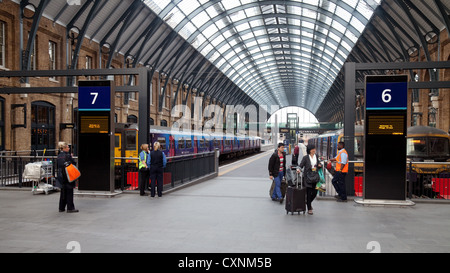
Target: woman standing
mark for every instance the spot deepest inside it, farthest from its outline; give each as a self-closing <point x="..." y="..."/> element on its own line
<point x="310" y="176"/>
<point x="157" y="164"/>
<point x="66" y="197"/>
<point x="144" y="171"/>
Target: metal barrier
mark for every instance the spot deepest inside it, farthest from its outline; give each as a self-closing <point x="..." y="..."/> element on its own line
<point x="425" y="180"/>
<point x="179" y="170"/>
<point x="12" y="166"/>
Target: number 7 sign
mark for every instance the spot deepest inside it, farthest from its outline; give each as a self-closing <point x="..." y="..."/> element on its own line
<point x="94" y="98"/>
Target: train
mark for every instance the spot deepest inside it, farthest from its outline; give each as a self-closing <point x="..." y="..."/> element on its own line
<point x="183" y="143"/>
<point x="326" y="145"/>
<point x="428" y="155"/>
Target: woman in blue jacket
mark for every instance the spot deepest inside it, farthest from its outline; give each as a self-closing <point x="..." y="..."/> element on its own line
<point x="158" y="162"/>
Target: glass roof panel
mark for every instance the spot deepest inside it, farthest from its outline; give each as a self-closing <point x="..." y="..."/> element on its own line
<point x="285" y="53"/>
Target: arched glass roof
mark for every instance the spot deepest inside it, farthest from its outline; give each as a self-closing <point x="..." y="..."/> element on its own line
<point x="286" y="53"/>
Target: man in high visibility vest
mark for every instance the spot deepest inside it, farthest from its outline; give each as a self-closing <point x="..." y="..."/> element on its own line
<point x="341" y="171"/>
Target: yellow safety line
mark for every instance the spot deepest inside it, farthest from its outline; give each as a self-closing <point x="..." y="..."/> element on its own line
<point x="244" y="163"/>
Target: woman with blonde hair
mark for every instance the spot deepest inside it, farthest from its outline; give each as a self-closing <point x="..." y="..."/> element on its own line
<point x="66" y="197"/>
<point x="157" y="164"/>
<point x="144" y="171"/>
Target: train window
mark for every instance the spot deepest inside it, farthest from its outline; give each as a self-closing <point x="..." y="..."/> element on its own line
<point x="188" y="143"/>
<point x="117" y="141"/>
<point x="162" y="141"/>
<point x="416" y="146"/>
<point x="202" y="143"/>
<point x="216" y="143"/>
<point x="130" y="140"/>
<point x="438" y="146"/>
<point x="181" y="144"/>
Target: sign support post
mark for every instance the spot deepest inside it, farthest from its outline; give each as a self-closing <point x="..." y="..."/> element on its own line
<point x="385" y="141"/>
<point x="96" y="135"/>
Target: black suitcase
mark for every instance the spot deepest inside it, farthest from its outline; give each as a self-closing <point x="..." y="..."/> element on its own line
<point x="296" y="198"/>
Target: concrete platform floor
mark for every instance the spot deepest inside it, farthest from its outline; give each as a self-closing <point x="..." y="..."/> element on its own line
<point x="231" y="213"/>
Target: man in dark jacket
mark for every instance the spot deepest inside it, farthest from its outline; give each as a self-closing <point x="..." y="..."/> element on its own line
<point x="66" y="197"/>
<point x="277" y="167"/>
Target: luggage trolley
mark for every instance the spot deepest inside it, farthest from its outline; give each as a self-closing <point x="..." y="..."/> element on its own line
<point x="41" y="173"/>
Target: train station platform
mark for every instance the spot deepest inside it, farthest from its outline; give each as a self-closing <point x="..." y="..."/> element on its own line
<point x="231" y="213"/>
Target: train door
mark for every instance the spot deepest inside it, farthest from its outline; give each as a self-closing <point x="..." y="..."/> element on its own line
<point x="117" y="147"/>
<point x="195" y="144"/>
<point x="172" y="146"/>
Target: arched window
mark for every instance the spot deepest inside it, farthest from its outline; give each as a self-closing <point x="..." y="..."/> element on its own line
<point x="132" y="119"/>
<point x="164" y="123"/>
<point x="42" y="125"/>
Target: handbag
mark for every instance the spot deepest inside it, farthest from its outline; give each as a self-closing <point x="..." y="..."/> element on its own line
<point x="321" y="184"/>
<point x="72" y="172"/>
<point x="312" y="176"/>
<point x="330" y="168"/>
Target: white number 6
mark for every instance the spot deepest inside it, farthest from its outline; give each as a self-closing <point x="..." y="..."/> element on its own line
<point x="385" y="96"/>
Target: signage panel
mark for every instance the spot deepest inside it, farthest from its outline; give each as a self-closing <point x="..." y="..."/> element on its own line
<point x="94" y="124"/>
<point x="386" y="125"/>
<point x="385" y="138"/>
<point x="96" y="135"/>
<point x="386" y="93"/>
<point x="94" y="98"/>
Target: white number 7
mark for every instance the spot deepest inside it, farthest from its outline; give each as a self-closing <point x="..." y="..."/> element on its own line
<point x="95" y="94"/>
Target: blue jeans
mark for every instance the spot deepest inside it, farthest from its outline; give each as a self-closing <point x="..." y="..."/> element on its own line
<point x="277" y="190"/>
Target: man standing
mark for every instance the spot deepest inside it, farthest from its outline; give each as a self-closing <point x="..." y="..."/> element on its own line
<point x="341" y="171"/>
<point x="277" y="167"/>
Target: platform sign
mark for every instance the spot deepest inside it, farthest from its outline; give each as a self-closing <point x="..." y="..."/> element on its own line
<point x="385" y="138"/>
<point x="94" y="98"/>
<point x="96" y="135"/>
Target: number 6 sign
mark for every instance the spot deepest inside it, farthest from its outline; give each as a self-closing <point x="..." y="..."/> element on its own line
<point x="386" y="95"/>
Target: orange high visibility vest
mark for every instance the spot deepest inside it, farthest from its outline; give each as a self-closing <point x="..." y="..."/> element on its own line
<point x="338" y="160"/>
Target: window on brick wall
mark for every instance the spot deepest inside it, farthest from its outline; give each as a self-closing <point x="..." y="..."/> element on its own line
<point x="52" y="56"/>
<point x="2" y="44"/>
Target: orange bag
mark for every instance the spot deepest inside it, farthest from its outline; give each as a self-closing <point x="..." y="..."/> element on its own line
<point x="72" y="173"/>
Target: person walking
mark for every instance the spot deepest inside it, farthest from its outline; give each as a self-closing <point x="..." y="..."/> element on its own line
<point x="157" y="164"/>
<point x="295" y="155"/>
<point x="338" y="180"/>
<point x="66" y="196"/>
<point x="144" y="171"/>
<point x="311" y="164"/>
<point x="277" y="167"/>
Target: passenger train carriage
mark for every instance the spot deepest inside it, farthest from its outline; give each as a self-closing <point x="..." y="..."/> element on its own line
<point x="183" y="143"/>
<point x="427" y="147"/>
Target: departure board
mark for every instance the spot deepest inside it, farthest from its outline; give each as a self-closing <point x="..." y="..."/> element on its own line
<point x="386" y="125"/>
<point x="94" y="124"/>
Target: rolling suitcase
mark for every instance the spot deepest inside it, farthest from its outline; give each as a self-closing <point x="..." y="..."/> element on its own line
<point x="296" y="198"/>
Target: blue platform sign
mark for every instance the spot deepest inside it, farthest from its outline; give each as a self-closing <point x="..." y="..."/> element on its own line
<point x="94" y="98"/>
<point x="386" y="95"/>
